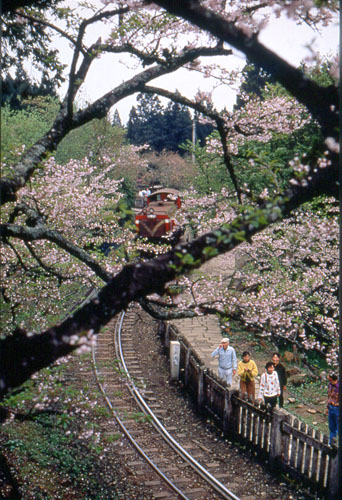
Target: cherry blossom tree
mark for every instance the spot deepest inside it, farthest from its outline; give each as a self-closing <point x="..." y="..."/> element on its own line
<point x="289" y="282"/>
<point x="164" y="41"/>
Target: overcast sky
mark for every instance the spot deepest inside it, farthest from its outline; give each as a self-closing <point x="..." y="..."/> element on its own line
<point x="283" y="36"/>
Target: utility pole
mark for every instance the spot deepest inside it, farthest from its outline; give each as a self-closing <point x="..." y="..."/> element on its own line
<point x="194" y="136"/>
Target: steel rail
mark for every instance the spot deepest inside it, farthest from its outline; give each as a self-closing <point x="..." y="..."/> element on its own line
<point x="126" y="431"/>
<point x="204" y="473"/>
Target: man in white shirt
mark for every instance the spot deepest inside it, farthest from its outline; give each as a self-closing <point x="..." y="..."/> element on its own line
<point x="227" y="361"/>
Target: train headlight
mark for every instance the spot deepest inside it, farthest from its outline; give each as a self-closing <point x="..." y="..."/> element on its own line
<point x="151" y="214"/>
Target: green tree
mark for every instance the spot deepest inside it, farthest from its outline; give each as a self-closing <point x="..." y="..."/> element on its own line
<point x="161" y="128"/>
<point x="211" y="173"/>
<point x="254" y="80"/>
<point x="116" y="122"/>
<point x="24" y="38"/>
<point x="146" y="123"/>
<point x="268" y="165"/>
<point x="22" y="128"/>
<point x="322" y="71"/>
<point x="177" y="126"/>
<point x="92" y="141"/>
<point x="18" y="90"/>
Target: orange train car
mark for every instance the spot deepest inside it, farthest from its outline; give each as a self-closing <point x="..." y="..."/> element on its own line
<point x="157" y="218"/>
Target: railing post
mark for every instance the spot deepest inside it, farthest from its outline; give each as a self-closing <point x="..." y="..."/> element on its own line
<point x="276" y="444"/>
<point x="187" y="364"/>
<point x="200" y="393"/>
<point x="228" y="418"/>
<point x="332" y="486"/>
<point x="167" y="337"/>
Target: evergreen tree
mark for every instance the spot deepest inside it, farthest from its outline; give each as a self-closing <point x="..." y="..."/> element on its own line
<point x="202" y="129"/>
<point x="117" y="120"/>
<point x="178" y="126"/>
<point x="253" y="83"/>
<point x="146" y="122"/>
<point x="17" y="91"/>
<point x="163" y="129"/>
<point x="133" y="126"/>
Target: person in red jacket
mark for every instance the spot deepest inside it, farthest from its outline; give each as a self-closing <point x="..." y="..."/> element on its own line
<point x="333" y="406"/>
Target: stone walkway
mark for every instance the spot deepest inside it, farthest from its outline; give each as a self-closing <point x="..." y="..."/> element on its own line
<point x="204" y="333"/>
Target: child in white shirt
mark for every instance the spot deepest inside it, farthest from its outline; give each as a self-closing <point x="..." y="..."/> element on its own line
<point x="269" y="385"/>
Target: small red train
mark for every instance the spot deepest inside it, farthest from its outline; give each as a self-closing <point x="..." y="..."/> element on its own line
<point x="157" y="218"/>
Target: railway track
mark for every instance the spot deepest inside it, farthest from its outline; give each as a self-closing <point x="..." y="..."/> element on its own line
<point x="173" y="464"/>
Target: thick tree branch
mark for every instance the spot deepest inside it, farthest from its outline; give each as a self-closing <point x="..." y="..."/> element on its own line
<point x="162" y="312"/>
<point x="167" y="312"/>
<point x="147" y="59"/>
<point x="41" y="232"/>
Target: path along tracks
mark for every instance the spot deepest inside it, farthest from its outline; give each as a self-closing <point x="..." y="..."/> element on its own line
<point x="172" y="464"/>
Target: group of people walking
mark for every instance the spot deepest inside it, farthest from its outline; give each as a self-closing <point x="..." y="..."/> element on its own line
<point x="272" y="382"/>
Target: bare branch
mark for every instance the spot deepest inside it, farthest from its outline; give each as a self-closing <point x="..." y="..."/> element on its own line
<point x="48" y="269"/>
<point x="43" y="22"/>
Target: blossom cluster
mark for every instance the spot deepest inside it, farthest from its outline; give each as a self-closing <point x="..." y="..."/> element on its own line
<point x="290" y="282"/>
<point x="259" y="120"/>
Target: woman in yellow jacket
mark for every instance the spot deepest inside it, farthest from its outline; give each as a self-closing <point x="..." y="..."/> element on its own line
<point x="247" y="371"/>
